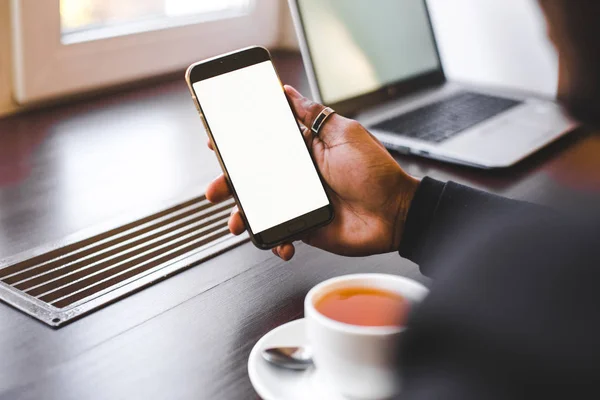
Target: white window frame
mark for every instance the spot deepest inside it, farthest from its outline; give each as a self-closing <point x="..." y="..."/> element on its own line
<point x="45" y="68"/>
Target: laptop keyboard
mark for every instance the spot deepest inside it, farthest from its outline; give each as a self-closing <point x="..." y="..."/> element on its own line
<point x="443" y="119"/>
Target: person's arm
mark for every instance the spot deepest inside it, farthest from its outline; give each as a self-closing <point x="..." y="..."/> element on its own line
<point x="513" y="307"/>
<point x="441" y="212"/>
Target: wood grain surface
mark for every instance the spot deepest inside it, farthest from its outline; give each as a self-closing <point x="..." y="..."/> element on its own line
<point x="69" y="168"/>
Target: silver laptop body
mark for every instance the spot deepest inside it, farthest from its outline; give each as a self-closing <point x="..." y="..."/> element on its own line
<point x="378" y="60"/>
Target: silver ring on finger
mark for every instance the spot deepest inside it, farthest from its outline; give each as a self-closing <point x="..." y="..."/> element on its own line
<point x="320" y="120"/>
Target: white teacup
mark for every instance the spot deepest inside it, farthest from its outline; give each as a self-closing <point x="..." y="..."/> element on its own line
<point x="358" y="361"/>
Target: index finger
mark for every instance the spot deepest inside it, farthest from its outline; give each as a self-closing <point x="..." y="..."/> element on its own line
<point x="218" y="190"/>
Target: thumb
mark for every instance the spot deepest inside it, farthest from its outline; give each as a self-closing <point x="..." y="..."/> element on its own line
<point x="305" y="109"/>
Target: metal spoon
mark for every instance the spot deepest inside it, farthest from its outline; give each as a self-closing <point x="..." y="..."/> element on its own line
<point x="295" y="358"/>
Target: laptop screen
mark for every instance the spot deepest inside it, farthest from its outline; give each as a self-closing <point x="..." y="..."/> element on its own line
<point x="359" y="46"/>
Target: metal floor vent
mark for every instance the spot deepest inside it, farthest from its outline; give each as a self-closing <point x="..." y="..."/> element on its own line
<point x="59" y="283"/>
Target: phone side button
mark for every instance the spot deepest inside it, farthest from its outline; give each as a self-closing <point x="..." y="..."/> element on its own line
<point x="296" y="226"/>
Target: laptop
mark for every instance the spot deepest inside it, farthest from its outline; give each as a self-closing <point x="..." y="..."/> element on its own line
<point x="377" y="61"/>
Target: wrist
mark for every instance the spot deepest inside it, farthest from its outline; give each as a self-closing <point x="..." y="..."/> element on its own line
<point x="406" y="192"/>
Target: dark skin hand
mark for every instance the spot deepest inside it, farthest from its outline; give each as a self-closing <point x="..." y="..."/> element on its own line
<point x="369" y="191"/>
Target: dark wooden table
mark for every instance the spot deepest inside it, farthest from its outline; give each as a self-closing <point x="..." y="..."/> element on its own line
<point x="70" y="167"/>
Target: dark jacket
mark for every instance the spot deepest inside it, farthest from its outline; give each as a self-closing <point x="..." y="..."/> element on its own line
<point x="514" y="308"/>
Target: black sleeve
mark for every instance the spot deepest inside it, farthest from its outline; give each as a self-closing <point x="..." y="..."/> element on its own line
<point x="513" y="310"/>
<point x="440" y="212"/>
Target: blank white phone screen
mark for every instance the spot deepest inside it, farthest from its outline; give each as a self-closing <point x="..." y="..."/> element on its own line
<point x="261" y="146"/>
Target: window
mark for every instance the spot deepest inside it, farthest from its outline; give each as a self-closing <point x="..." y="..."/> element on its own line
<point x="63" y="47"/>
<point x="83" y="20"/>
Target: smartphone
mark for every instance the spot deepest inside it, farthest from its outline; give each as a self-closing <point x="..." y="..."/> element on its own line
<point x="259" y="144"/>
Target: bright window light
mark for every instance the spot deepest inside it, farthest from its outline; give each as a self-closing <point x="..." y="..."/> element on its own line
<point x="84" y="20"/>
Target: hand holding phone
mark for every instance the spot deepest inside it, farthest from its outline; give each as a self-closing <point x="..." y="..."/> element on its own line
<point x="369" y="191"/>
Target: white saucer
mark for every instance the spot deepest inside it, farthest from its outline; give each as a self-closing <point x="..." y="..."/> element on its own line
<point x="273" y="383"/>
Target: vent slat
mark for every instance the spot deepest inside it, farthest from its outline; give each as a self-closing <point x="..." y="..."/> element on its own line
<point x="82" y="248"/>
<point x="31" y="262"/>
<point x="36" y="276"/>
<point x="63" y="302"/>
<point x="82" y="276"/>
<point x="132" y="256"/>
<point x="80" y="281"/>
